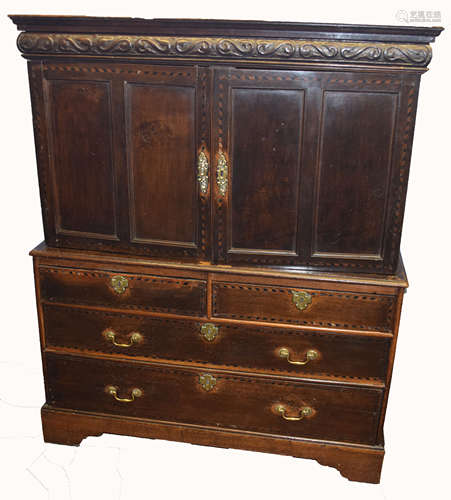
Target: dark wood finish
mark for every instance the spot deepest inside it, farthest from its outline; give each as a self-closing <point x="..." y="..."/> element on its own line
<point x="89" y="24"/>
<point x="326" y="190"/>
<point x="307" y="187"/>
<point x="328" y="308"/>
<point x="83" y="169"/>
<point x="274" y="144"/>
<point x="317" y="279"/>
<point x="161" y="135"/>
<point x="312" y="125"/>
<point x="235" y="346"/>
<point x="237" y="402"/>
<point x="153" y="293"/>
<point x="357" y="463"/>
<point x="243" y="359"/>
<point x="356" y="141"/>
<point x="115" y="134"/>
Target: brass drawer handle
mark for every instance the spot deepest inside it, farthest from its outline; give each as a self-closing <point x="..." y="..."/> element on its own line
<point x="202" y="172"/>
<point x="304" y="412"/>
<point x="136" y="393"/>
<point x="301" y="299"/>
<point x="119" y="284"/>
<point x="135" y="338"/>
<point x="209" y="331"/>
<point x="310" y="355"/>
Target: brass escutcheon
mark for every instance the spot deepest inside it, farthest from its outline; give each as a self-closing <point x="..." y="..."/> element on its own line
<point x="119" y="283"/>
<point x="207" y="381"/>
<point x="222" y="174"/>
<point x="202" y="172"/>
<point x="209" y="331"/>
<point x="301" y="299"/>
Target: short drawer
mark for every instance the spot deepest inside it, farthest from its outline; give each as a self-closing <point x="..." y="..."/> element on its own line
<point x="193" y="396"/>
<point x="321" y="308"/>
<point x="123" y="290"/>
<point x="268" y="349"/>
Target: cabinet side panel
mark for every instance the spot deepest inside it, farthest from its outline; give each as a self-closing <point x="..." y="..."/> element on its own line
<point x="266" y="129"/>
<point x="41" y="147"/>
<point x="81" y="137"/>
<point x="353" y="173"/>
<point x="160" y="122"/>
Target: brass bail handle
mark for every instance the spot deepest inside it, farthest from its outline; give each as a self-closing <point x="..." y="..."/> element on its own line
<point x="112" y="390"/>
<point x="135" y="338"/>
<point x="310" y="355"/>
<point x="304" y="412"/>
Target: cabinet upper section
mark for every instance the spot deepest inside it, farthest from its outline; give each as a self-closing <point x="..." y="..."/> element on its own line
<point x="298" y="43"/>
<point x="244" y="143"/>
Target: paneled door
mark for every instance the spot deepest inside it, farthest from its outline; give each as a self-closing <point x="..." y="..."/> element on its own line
<point x="129" y="160"/>
<point x="167" y="138"/>
<point x="309" y="167"/>
<point x="260" y="143"/>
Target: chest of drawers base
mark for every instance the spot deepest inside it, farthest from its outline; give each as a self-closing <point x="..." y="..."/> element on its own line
<point x="289" y="363"/>
<point x="70" y="427"/>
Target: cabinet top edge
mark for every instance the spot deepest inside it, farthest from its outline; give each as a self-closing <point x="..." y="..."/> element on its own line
<point x="399" y="279"/>
<point x="220" y="27"/>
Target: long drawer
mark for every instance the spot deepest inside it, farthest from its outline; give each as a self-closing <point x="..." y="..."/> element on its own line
<point x="123" y="290"/>
<point x="321" y="308"/>
<point x="192" y="396"/>
<point x="295" y="352"/>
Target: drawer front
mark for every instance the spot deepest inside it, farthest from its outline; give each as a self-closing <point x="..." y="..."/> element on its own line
<point x="195" y="397"/>
<point x="322" y="308"/>
<point x="122" y="290"/>
<point x="257" y="348"/>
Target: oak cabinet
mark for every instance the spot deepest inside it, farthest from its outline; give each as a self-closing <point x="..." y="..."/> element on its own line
<point x="227" y="165"/>
<point x="123" y="144"/>
<point x="222" y="206"/>
<point x="312" y="158"/>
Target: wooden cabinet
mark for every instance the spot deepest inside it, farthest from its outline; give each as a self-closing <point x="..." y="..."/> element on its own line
<point x="313" y="166"/>
<point x="222" y="206"/>
<point x="123" y="142"/>
<point x="296" y="168"/>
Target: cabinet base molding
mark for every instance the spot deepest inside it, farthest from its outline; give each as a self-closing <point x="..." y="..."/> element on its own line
<point x="356" y="463"/>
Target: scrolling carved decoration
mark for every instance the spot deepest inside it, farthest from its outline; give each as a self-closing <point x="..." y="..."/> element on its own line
<point x="372" y="53"/>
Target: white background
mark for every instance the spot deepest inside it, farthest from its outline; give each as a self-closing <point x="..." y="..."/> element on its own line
<point x="417" y="429"/>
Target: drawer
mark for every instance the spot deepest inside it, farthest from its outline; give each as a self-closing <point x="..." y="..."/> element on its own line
<point x="192" y="396"/>
<point x="321" y="308"/>
<point x="129" y="291"/>
<point x="244" y="346"/>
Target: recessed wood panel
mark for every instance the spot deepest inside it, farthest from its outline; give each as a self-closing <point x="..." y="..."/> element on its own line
<point x="81" y="138"/>
<point x="353" y="173"/>
<point x="266" y="142"/>
<point x="162" y="161"/>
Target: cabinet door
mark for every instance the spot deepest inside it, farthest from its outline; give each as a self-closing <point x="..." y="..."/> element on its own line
<point x="311" y="167"/>
<point x="260" y="143"/>
<point x="124" y="146"/>
<point x="166" y="131"/>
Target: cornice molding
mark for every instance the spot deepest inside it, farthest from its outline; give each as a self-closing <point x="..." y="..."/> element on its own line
<point x="295" y="50"/>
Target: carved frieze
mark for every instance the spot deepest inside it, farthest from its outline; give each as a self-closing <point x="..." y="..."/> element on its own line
<point x="373" y="53"/>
